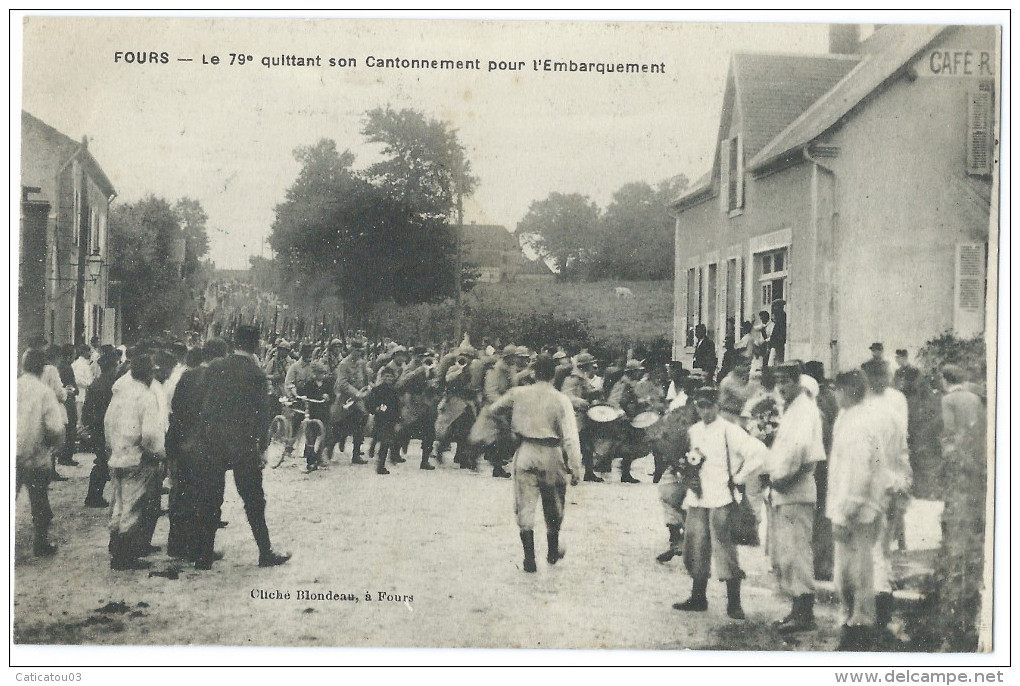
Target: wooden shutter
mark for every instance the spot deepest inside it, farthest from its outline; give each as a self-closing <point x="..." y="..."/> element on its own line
<point x="739" y="171"/>
<point x="724" y="175"/>
<point x="979" y="131"/>
<point x="969" y="300"/>
<point x="720" y="318"/>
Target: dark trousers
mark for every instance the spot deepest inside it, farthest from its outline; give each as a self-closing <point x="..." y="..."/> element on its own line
<point x="37" y="481"/>
<point x="501" y="452"/>
<point x="210" y="484"/>
<point x="183" y="508"/>
<point x="351" y="424"/>
<point x="99" y="475"/>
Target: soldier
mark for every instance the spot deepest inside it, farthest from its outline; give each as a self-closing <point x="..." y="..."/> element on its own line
<point x="461" y="371"/>
<point x="348" y="413"/>
<point x="579" y="389"/>
<point x="499" y="379"/>
<point x="419" y="397"/>
<point x="544" y="420"/>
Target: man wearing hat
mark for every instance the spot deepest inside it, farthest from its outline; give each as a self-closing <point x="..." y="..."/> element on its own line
<point x="705" y="357"/>
<point x="276" y="366"/>
<point x="563" y="368"/>
<point x="625" y="396"/>
<point x="348" y="414"/>
<point x="791" y="461"/>
<point x="235" y="432"/>
<point x="418" y="401"/>
<point x="579" y="389"/>
<point x="462" y="373"/>
<point x="877" y="351"/>
<point x="729" y="456"/>
<point x="544" y="420"/>
<point x="499" y="379"/>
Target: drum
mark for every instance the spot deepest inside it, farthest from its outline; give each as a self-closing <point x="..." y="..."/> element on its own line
<point x="644" y="420"/>
<point x="603" y="414"/>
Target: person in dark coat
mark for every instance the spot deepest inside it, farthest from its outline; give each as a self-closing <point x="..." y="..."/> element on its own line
<point x="234" y="425"/>
<point x="97" y="400"/>
<point x="704" y="352"/>
<point x="183" y="448"/>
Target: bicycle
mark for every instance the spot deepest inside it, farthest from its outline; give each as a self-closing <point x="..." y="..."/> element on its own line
<point x="311" y="432"/>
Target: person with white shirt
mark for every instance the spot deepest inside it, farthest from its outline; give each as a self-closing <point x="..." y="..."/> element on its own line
<point x="728" y="457"/>
<point x="135" y="434"/>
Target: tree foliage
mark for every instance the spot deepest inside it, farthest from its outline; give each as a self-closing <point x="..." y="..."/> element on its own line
<point x="381" y="234"/>
<point x="158" y="291"/>
<point x="636" y="232"/>
<point x="562" y="229"/>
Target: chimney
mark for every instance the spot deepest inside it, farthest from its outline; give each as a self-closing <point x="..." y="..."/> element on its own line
<point x="844" y="39"/>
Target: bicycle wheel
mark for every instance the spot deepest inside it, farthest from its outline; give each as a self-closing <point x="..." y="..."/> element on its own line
<point x="280" y="441"/>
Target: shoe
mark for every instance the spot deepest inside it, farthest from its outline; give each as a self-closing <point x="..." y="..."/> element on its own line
<point x="311" y="468"/>
<point x="666" y="556"/>
<point x="382" y="470"/>
<point x="501" y="473"/>
<point x="592" y="477"/>
<point x="802" y="616"/>
<point x="273" y="559"/>
<point x="628" y="479"/>
<point x="397" y="460"/>
<point x="357" y="460"/>
<point x="206" y="564"/>
<point x="426" y="466"/>
<point x="203" y="565"/>
<point x="692" y="605"/>
<point x="128" y="564"/>
<point x="101" y="502"/>
<point x="554" y="557"/>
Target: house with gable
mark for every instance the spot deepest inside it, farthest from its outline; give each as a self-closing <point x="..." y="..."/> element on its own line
<point x="855" y="186"/>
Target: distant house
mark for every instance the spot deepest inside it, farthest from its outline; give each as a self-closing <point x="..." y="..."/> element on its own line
<point x="855" y="186"/>
<point x="63" y="284"/>
<point x="493" y="251"/>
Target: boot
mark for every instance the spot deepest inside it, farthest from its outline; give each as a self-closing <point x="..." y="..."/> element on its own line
<point x="625" y="475"/>
<point x="883" y="609"/>
<point x="589" y="475"/>
<point x="801" y="618"/>
<point x="42" y="547"/>
<point x="425" y="463"/>
<point x="555" y="553"/>
<point x="698" y="602"/>
<point x="528" y="541"/>
<point x="500" y="473"/>
<point x="733" y="608"/>
<point x="676" y="541"/>
<point x="380" y="462"/>
<point x="310" y="461"/>
<point x="854" y="639"/>
<point x="97" y="483"/>
<point x="356" y="459"/>
<point x="121" y="558"/>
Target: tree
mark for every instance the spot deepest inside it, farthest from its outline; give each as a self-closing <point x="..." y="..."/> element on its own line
<point x="562" y="228"/>
<point x="192" y="219"/>
<point x="142" y="237"/>
<point x="636" y="233"/>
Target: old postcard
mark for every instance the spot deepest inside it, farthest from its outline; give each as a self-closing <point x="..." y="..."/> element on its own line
<point x="545" y="334"/>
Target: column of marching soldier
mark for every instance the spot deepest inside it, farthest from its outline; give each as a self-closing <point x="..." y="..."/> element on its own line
<point x="826" y="464"/>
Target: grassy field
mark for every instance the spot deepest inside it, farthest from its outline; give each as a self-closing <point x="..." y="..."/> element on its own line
<point x="646" y="316"/>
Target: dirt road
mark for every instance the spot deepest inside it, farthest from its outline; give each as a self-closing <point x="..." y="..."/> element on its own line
<point x="412" y="559"/>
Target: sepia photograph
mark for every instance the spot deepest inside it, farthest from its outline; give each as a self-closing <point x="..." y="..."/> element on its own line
<point x="610" y="335"/>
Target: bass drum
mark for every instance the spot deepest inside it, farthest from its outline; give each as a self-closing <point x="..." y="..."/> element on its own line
<point x="644" y="420"/>
<point x="604" y="414"/>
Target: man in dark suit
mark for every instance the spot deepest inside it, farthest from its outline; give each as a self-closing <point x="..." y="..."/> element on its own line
<point x="704" y="352"/>
<point x="234" y="427"/>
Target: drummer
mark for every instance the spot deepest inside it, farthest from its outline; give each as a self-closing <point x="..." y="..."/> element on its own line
<point x="579" y="388"/>
<point x="634" y="393"/>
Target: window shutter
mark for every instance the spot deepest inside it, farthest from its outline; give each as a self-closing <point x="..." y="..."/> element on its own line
<point x="720" y="320"/>
<point x="969" y="300"/>
<point x="739" y="172"/>
<point x="724" y="175"/>
<point x="979" y="131"/>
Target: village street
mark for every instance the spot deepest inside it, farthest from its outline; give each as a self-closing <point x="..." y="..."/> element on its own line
<point x="431" y="559"/>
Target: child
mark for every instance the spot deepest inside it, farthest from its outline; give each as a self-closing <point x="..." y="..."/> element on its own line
<point x="383" y="402"/>
<point x="315" y="390"/>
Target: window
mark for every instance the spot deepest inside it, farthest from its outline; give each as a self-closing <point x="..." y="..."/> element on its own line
<point x="980" y="129"/>
<point x="970" y="287"/>
<point x="713" y="290"/>
<point x="773" y="277"/>
<point x="76" y="217"/>
<point x="731" y="174"/>
<point x="732" y="297"/>
<point x="93" y="231"/>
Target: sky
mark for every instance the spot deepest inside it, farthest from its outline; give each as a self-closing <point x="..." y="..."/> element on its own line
<point x="225" y="134"/>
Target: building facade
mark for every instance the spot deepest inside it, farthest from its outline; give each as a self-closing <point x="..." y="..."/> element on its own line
<point x="64" y="285"/>
<point x="854" y="186"/>
<point x="493" y="251"/>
